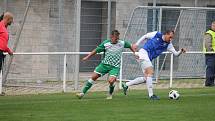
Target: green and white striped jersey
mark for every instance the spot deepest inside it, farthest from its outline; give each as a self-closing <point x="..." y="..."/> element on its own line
<point x="112" y="52"/>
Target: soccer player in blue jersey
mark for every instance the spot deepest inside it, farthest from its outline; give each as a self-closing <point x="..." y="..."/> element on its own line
<point x="155" y="44"/>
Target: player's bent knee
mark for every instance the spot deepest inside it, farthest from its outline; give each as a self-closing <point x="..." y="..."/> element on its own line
<point x="95" y="76"/>
<point x="112" y="80"/>
<point x="149" y="72"/>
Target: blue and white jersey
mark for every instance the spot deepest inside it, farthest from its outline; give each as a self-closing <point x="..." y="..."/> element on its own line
<point x="155" y="45"/>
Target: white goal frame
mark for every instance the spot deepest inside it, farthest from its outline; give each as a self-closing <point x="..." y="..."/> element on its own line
<point x="159" y="19"/>
<point x="171" y="66"/>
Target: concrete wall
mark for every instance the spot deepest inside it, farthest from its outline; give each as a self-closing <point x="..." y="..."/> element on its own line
<point x="42" y="33"/>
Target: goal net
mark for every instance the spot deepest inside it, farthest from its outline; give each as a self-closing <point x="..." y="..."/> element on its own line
<point x="189" y="25"/>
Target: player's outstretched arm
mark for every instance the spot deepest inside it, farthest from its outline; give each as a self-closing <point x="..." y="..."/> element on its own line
<point x="183" y="50"/>
<point x="144" y="37"/>
<point x="100" y="48"/>
<point x="176" y="53"/>
<point x="134" y="49"/>
<point x="89" y="55"/>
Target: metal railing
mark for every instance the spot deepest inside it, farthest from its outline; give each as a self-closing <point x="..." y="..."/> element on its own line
<point x="171" y="66"/>
<point x="65" y="54"/>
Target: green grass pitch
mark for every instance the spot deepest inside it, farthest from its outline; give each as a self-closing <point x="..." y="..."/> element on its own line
<point x="193" y="105"/>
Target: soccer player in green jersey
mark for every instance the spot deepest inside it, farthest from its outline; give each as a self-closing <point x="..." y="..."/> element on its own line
<point x="112" y="49"/>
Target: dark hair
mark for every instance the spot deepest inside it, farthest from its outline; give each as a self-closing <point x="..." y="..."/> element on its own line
<point x="2" y="16"/>
<point x="115" y="32"/>
<point x="168" y="32"/>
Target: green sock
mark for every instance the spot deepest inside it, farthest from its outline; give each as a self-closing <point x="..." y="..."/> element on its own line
<point x="87" y="86"/>
<point x="111" y="89"/>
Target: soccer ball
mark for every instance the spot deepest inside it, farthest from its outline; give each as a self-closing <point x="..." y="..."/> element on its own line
<point x="173" y="94"/>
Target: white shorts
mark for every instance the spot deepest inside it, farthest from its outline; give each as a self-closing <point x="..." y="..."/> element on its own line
<point x="144" y="59"/>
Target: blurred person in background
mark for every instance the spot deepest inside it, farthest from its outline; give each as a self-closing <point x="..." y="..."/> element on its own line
<point x="209" y="46"/>
<point x="6" y="19"/>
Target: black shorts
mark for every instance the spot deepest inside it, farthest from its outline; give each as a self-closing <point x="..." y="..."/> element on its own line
<point x="2" y="56"/>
